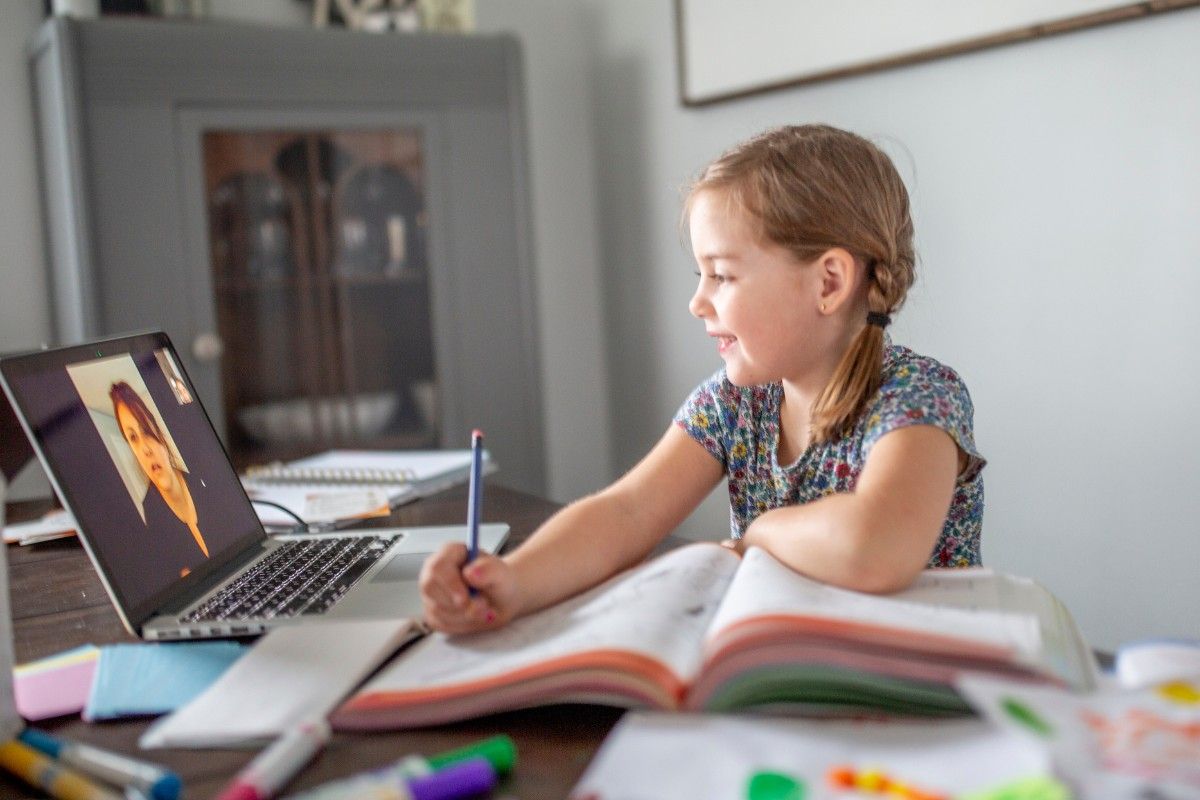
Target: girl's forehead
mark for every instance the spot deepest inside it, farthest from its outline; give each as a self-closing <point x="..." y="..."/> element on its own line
<point x="717" y="226"/>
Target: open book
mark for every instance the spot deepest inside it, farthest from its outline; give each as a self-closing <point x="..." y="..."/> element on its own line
<point x="701" y="629"/>
<point x="346" y="485"/>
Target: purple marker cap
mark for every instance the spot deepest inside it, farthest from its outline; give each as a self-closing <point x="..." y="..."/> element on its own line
<point x="464" y="779"/>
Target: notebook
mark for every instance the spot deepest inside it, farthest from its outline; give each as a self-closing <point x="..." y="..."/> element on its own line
<point x="339" y="486"/>
<point x="133" y="456"/>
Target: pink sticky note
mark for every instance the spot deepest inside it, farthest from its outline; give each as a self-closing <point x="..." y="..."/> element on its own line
<point x="54" y="692"/>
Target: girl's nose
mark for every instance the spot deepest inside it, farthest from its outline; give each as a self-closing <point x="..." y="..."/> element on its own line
<point x="699" y="305"/>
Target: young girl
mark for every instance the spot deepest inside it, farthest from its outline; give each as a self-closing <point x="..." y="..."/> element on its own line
<point x="848" y="458"/>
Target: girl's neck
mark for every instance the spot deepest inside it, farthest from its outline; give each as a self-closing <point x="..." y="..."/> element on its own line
<point x="799" y="396"/>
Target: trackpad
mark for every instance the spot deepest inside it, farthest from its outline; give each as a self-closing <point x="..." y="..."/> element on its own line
<point x="401" y="567"/>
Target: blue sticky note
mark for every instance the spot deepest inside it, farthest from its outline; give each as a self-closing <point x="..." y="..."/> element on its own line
<point x="148" y="679"/>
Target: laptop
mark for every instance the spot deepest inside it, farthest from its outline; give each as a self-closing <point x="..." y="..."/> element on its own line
<point x="119" y="428"/>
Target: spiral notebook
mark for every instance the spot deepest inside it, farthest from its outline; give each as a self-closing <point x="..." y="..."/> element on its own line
<point x="345" y="485"/>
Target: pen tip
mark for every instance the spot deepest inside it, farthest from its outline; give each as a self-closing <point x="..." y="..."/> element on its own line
<point x="476" y="434"/>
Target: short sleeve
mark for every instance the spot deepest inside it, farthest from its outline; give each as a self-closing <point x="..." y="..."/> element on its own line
<point x="922" y="391"/>
<point x="705" y="416"/>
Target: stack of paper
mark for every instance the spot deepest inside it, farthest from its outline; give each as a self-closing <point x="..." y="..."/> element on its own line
<point x="149" y="679"/>
<point x="54" y="525"/>
<point x="346" y="485"/>
<point x="57" y="685"/>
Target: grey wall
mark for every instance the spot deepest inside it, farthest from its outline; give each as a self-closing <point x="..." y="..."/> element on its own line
<point x="1056" y="186"/>
<point x="24" y="315"/>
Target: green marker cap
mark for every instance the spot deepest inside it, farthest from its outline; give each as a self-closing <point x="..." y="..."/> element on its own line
<point x="500" y="751"/>
<point x="774" y="786"/>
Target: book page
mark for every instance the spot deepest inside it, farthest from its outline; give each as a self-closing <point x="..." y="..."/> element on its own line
<point x="967" y="604"/>
<point x="659" y="609"/>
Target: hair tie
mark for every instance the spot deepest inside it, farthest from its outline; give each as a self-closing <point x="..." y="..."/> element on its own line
<point x="878" y="318"/>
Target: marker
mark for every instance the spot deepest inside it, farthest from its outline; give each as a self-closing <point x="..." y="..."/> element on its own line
<point x="1026" y="716"/>
<point x="38" y="769"/>
<point x="874" y="781"/>
<point x="152" y="781"/>
<point x="475" y="496"/>
<point x="1036" y="788"/>
<point x="500" y="751"/>
<point x="275" y="766"/>
<point x="465" y="778"/>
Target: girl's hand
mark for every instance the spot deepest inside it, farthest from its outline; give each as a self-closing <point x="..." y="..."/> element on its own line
<point x="445" y="591"/>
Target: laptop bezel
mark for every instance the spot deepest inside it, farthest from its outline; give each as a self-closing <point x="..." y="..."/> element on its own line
<point x="180" y="591"/>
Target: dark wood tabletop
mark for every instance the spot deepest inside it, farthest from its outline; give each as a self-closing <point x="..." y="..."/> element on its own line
<point x="58" y="603"/>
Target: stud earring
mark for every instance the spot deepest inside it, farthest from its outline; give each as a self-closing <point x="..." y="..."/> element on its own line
<point x="822" y="308"/>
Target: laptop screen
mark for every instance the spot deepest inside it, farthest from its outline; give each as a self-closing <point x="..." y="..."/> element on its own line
<point x="137" y="462"/>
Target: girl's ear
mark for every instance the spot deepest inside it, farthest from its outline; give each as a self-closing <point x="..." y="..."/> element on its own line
<point x="838" y="273"/>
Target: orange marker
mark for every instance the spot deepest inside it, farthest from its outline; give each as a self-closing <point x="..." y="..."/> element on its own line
<point x="875" y="781"/>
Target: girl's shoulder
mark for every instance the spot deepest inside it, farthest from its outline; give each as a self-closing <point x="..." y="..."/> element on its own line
<point x="906" y="370"/>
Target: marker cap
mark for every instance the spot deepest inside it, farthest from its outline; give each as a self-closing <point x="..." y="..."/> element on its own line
<point x="500" y="751"/>
<point x="462" y="779"/>
<point x="41" y="741"/>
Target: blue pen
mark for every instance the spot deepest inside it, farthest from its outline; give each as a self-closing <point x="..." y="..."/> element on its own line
<point x="475" y="496"/>
<point x="150" y="780"/>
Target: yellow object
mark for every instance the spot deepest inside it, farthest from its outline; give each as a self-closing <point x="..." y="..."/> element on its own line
<point x="48" y="775"/>
<point x="871" y="780"/>
<point x="1180" y="692"/>
<point x="1039" y="788"/>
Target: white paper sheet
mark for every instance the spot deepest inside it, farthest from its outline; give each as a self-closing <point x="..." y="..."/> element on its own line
<point x="292" y="674"/>
<point x="655" y="756"/>
<point x="1116" y="744"/>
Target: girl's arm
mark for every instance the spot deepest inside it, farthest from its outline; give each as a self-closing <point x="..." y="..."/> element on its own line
<point x="878" y="537"/>
<point x="580" y="546"/>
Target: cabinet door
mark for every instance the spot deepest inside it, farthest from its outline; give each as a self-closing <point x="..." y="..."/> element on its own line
<point x="318" y="252"/>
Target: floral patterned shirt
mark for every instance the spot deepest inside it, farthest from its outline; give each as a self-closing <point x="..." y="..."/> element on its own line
<point x="740" y="427"/>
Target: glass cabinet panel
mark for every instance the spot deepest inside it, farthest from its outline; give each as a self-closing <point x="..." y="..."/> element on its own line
<point x="318" y="246"/>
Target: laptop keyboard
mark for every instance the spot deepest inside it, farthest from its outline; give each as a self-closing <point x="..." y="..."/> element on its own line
<point x="304" y="576"/>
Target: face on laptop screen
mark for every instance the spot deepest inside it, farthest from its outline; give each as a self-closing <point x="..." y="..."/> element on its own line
<point x="140" y="465"/>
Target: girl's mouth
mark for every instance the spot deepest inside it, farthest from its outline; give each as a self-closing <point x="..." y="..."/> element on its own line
<point x="724" y="343"/>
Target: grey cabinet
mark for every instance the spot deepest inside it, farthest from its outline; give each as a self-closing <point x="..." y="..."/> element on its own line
<point x="333" y="226"/>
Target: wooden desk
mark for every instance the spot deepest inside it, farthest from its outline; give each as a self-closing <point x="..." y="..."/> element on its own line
<point x="58" y="603"/>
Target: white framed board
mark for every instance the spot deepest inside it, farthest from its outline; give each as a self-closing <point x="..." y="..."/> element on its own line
<point x="730" y="50"/>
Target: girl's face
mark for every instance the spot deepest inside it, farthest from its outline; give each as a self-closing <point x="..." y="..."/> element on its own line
<point x="151" y="454"/>
<point x="756" y="300"/>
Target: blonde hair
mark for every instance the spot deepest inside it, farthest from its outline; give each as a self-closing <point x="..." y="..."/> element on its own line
<point x="810" y="188"/>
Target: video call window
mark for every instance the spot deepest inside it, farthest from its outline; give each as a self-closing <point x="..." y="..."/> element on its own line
<point x="139" y="442"/>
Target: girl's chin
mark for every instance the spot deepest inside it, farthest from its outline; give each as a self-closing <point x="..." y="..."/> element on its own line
<point x="742" y="376"/>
